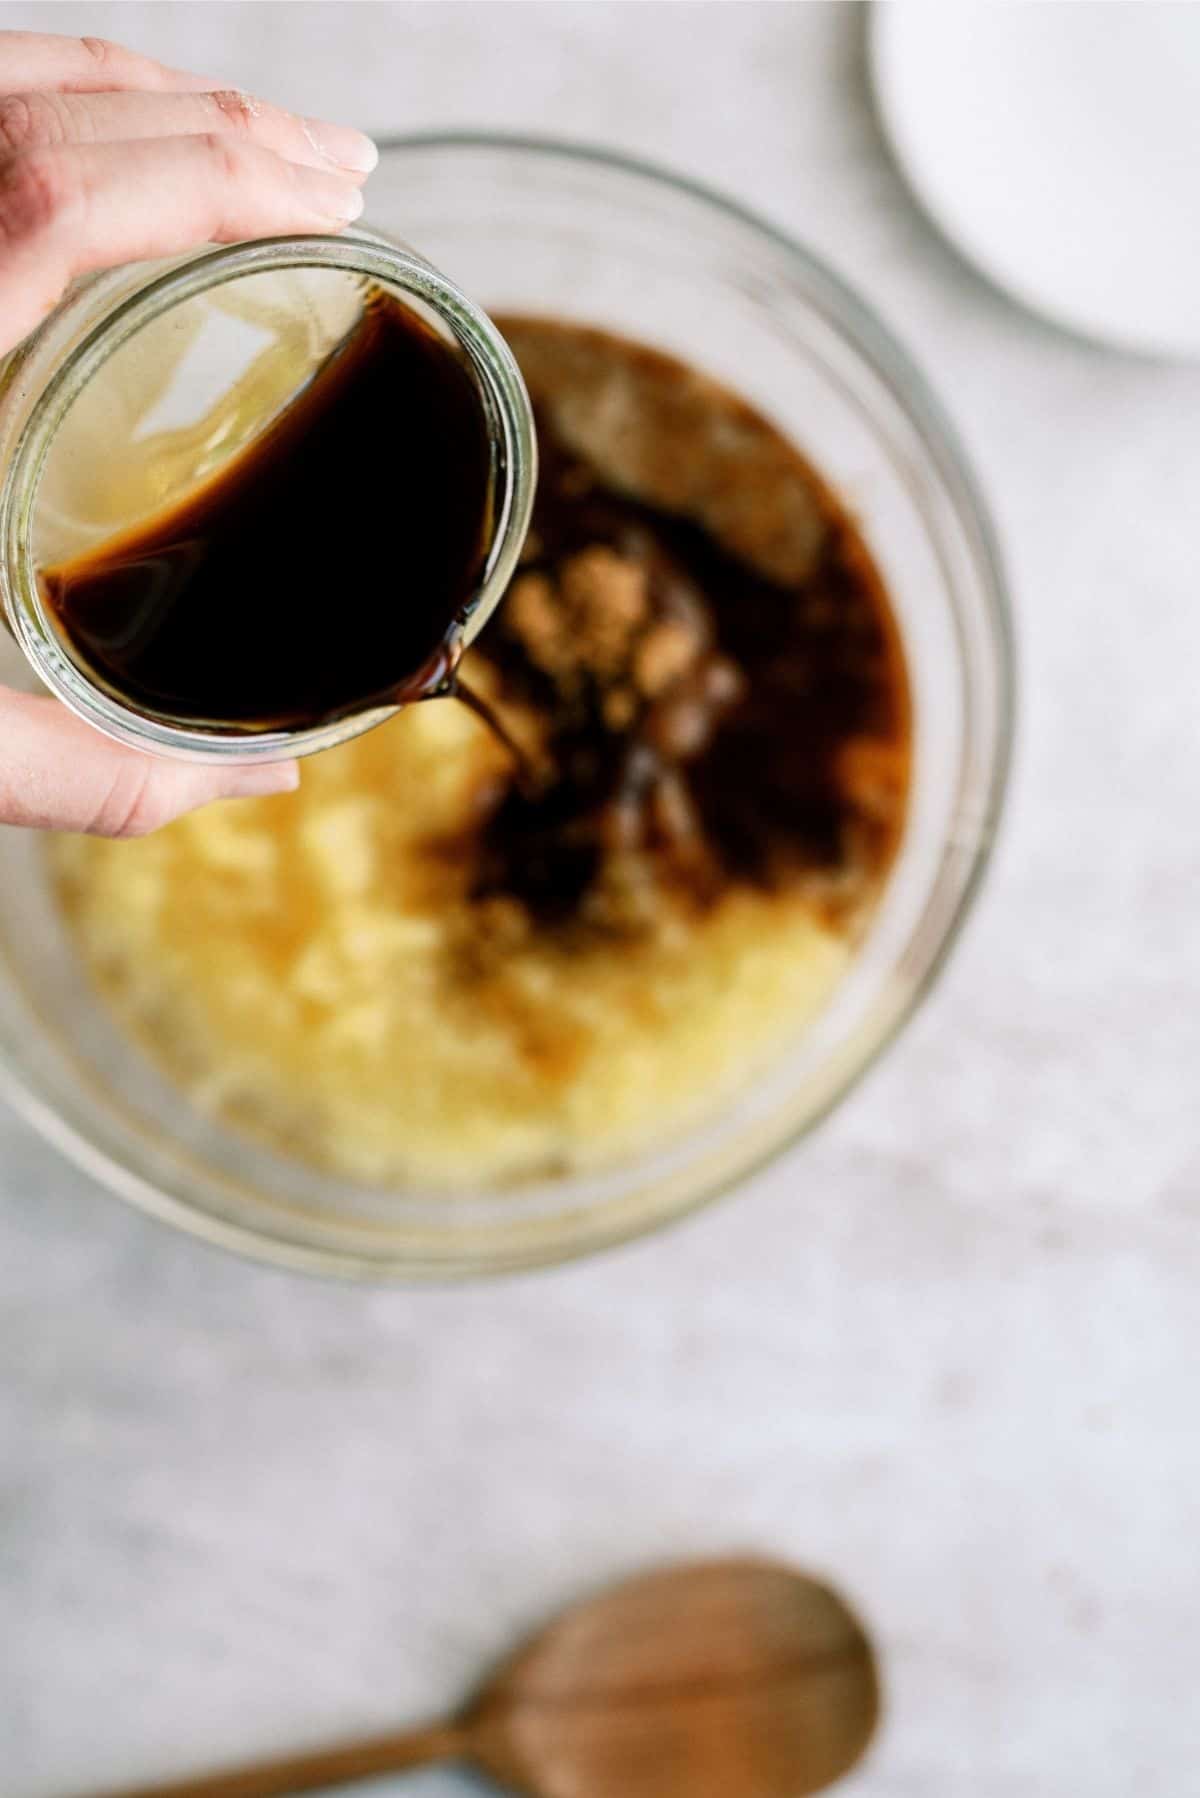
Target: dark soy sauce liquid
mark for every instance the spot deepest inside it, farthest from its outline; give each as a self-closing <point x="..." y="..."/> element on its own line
<point x="325" y="569"/>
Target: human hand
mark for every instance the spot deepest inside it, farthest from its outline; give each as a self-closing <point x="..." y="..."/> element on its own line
<point x="107" y="157"/>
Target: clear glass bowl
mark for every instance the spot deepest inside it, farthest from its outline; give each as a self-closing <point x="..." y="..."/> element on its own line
<point x="537" y="227"/>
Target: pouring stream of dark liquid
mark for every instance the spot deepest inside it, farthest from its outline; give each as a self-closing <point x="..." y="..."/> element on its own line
<point x="528" y="776"/>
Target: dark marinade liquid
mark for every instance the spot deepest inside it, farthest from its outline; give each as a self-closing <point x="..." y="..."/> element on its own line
<point x="779" y="751"/>
<point x="324" y="569"/>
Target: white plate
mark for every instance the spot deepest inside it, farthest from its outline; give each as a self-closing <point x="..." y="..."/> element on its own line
<point x="1059" y="147"/>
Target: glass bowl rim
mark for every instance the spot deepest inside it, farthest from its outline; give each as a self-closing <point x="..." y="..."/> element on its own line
<point x="872" y="341"/>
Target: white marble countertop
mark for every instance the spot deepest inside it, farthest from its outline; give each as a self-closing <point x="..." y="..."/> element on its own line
<point x="948" y="1353"/>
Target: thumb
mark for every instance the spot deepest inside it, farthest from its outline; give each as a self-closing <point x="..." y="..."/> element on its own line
<point x="57" y="773"/>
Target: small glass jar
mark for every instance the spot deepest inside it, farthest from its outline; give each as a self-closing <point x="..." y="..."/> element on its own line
<point x="146" y="378"/>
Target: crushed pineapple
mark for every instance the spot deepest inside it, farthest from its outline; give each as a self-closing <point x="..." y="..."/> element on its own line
<point x="309" y="967"/>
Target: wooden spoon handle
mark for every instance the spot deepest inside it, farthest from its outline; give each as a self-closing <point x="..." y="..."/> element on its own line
<point x="310" y="1772"/>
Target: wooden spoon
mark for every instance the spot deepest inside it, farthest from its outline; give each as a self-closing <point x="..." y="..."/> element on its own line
<point x="726" y="1679"/>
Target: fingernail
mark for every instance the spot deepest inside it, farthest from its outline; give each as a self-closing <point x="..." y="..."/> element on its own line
<point x="255" y="782"/>
<point x="341" y="145"/>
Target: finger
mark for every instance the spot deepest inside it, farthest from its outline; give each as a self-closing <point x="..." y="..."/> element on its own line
<point x="43" y="120"/>
<point x="57" y="773"/>
<point x="68" y="210"/>
<point x="83" y="65"/>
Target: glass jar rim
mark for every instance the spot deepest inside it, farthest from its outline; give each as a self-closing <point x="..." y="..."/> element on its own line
<point x="357" y="251"/>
